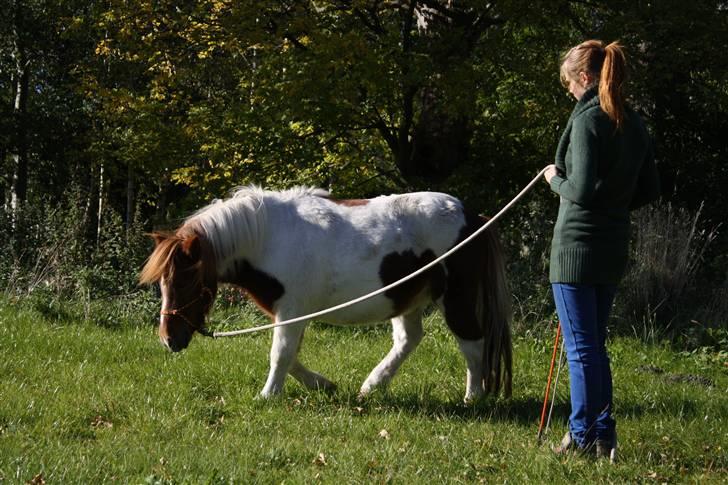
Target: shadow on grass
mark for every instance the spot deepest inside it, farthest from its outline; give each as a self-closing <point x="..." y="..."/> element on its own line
<point x="521" y="410"/>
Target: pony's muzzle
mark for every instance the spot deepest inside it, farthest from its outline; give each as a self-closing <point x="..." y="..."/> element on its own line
<point x="174" y="338"/>
<point x="173" y="345"/>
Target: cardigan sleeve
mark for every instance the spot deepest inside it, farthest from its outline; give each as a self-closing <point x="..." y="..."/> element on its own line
<point x="579" y="185"/>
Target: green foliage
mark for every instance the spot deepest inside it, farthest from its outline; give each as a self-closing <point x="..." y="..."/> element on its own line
<point x="52" y="253"/>
<point x="153" y="108"/>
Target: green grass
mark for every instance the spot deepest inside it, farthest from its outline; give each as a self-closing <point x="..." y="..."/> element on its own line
<point x="90" y="403"/>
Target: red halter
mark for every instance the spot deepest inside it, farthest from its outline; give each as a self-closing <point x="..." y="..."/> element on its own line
<point x="177" y="312"/>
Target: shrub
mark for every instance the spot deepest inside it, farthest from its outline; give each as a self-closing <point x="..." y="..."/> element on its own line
<point x="526" y="235"/>
<point x="53" y="258"/>
<point x="661" y="294"/>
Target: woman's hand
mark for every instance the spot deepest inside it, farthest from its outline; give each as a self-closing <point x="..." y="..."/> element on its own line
<point x="551" y="170"/>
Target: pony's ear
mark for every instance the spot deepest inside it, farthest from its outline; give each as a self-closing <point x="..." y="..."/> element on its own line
<point x="159" y="237"/>
<point x="192" y="248"/>
<point x="158" y="261"/>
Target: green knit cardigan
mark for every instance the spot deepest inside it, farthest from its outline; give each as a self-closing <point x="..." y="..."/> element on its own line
<point x="604" y="173"/>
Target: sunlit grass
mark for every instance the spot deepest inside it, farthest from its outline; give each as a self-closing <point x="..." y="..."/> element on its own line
<point x="80" y="402"/>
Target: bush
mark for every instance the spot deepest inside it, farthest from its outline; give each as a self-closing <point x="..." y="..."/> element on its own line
<point x="526" y="235"/>
<point x="56" y="268"/>
<point x="662" y="294"/>
<point x="51" y="248"/>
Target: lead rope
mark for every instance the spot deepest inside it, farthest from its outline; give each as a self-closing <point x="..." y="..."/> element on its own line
<point x="462" y="243"/>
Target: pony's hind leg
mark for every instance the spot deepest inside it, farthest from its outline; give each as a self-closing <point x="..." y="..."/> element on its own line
<point x="283" y="351"/>
<point x="310" y="379"/>
<point x="472" y="350"/>
<point x="406" y="335"/>
<point x="463" y="323"/>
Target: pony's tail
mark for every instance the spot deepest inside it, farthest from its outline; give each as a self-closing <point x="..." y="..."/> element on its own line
<point x="495" y="318"/>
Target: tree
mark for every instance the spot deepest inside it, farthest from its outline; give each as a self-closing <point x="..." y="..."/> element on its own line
<point x="19" y="47"/>
<point x="177" y="102"/>
<point x="299" y="86"/>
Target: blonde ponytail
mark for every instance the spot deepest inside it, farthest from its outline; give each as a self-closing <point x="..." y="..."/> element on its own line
<point x="611" y="83"/>
<point x="608" y="65"/>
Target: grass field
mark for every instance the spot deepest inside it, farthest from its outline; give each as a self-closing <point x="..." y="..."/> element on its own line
<point x="83" y="403"/>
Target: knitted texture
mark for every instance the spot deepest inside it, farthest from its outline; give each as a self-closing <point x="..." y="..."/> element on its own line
<point x="603" y="174"/>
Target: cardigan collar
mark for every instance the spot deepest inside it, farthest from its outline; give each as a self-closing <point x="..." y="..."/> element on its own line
<point x="588" y="100"/>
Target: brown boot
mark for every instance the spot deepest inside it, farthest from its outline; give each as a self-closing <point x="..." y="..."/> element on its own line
<point x="568" y="446"/>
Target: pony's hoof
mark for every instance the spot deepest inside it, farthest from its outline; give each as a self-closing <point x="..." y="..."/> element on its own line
<point x="472" y="398"/>
<point x="367" y="393"/>
<point x="266" y="395"/>
<point x="327" y="386"/>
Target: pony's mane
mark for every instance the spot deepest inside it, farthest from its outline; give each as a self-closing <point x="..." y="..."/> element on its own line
<point x="159" y="262"/>
<point x="237" y="224"/>
<point x="230" y="225"/>
<point x="292" y="193"/>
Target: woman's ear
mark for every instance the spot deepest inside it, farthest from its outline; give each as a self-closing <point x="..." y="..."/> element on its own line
<point x="585" y="79"/>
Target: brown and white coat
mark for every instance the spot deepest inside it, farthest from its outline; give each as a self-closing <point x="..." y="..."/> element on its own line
<point x="299" y="251"/>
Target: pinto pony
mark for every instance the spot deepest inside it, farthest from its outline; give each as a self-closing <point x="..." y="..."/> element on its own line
<point x="299" y="251"/>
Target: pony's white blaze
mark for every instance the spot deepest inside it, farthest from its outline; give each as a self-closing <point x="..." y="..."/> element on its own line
<point x="162" y="316"/>
<point x="297" y="251"/>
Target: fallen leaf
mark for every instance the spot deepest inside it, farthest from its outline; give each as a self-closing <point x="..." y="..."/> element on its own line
<point x="320" y="460"/>
<point x="37" y="480"/>
<point x="100" y="422"/>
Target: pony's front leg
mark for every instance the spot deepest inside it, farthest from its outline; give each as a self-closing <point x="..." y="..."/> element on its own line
<point x="286" y="341"/>
<point x="406" y="335"/>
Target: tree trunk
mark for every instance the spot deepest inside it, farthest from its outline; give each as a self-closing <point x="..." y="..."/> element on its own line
<point x="101" y="205"/>
<point x="130" y="194"/>
<point x="431" y="141"/>
<point x="19" y="157"/>
<point x="4" y="189"/>
<point x="440" y="141"/>
<point x="401" y="145"/>
<point x="161" y="211"/>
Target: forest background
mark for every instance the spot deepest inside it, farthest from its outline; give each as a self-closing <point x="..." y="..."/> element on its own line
<point x="117" y="117"/>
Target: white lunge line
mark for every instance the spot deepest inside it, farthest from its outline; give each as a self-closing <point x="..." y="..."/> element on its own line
<point x="429" y="265"/>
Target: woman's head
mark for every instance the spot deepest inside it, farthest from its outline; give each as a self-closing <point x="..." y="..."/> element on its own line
<point x="591" y="63"/>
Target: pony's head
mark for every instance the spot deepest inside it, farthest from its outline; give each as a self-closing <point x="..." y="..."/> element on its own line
<point x="183" y="263"/>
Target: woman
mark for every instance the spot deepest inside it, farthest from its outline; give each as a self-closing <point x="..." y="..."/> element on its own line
<point x="604" y="168"/>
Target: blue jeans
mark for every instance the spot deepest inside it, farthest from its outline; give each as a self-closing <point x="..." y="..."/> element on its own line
<point x="583" y="312"/>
